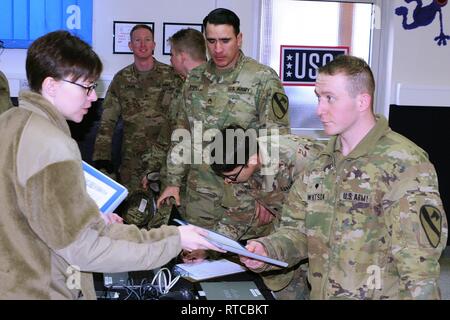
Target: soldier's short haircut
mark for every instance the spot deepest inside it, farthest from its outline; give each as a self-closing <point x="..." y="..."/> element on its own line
<point x="59" y="55"/>
<point x="141" y="26"/>
<point x="190" y="41"/>
<point x="238" y="145"/>
<point x="360" y="75"/>
<point x="223" y="16"/>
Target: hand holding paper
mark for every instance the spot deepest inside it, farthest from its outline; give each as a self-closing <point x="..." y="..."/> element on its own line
<point x="257" y="248"/>
<point x="230" y="245"/>
<point x="195" y="256"/>
<point x="193" y="238"/>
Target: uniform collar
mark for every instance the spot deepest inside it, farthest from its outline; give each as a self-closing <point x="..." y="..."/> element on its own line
<point x="213" y="74"/>
<point x="38" y="104"/>
<point x="366" y="145"/>
<point x="156" y="65"/>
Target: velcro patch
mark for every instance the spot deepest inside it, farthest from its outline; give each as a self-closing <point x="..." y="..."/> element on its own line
<point x="355" y="197"/>
<point x="280" y="104"/>
<point x="194" y="88"/>
<point x="431" y="220"/>
<point x="238" y="89"/>
<point x="316" y="197"/>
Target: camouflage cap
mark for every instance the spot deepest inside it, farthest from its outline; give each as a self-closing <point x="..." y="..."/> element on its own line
<point x="140" y="208"/>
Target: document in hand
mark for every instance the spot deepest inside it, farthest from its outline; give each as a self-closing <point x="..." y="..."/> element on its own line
<point x="230" y="245"/>
<point x="106" y="192"/>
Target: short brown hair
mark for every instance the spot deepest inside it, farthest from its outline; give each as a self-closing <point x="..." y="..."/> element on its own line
<point x="360" y="75"/>
<point x="141" y="26"/>
<point x="190" y="41"/>
<point x="60" y="54"/>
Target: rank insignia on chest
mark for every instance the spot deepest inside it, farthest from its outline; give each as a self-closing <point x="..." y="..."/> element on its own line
<point x="315" y="191"/>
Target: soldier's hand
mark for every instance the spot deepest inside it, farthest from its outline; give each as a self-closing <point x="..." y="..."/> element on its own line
<point x="195" y="256"/>
<point x="263" y="215"/>
<point x="144" y="183"/>
<point x="193" y="238"/>
<point x="169" y="192"/>
<point x="255" y="247"/>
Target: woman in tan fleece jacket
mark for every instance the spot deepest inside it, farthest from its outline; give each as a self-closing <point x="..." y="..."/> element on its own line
<point x="49" y="226"/>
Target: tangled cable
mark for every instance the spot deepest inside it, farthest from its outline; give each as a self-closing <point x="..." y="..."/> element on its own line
<point x="160" y="285"/>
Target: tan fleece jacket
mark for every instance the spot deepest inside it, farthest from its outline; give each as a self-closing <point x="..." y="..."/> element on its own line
<point x="49" y="226"/>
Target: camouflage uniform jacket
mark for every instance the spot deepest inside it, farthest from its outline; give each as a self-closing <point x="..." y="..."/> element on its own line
<point x="371" y="223"/>
<point x="270" y="187"/>
<point x="249" y="95"/>
<point x="5" y="99"/>
<point x="284" y="157"/>
<point x="142" y="99"/>
<point x="173" y="124"/>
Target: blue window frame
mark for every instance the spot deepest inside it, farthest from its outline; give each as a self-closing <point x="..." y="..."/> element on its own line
<point x="25" y="20"/>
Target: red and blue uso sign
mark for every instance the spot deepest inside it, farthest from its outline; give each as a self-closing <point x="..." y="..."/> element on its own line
<point x="299" y="64"/>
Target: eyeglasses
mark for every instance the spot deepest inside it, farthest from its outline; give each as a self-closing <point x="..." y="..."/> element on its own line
<point x="232" y="177"/>
<point x="88" y="88"/>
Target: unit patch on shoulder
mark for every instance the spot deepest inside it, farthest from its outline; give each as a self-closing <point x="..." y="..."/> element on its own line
<point x="280" y="104"/>
<point x="431" y="220"/>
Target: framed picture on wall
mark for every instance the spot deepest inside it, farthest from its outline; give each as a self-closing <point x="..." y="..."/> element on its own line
<point x="121" y="35"/>
<point x="170" y="28"/>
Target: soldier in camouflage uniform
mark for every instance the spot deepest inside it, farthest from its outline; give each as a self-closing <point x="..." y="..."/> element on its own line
<point x="267" y="177"/>
<point x="187" y="51"/>
<point x="367" y="212"/>
<point x="141" y="94"/>
<point x="5" y="99"/>
<point x="231" y="89"/>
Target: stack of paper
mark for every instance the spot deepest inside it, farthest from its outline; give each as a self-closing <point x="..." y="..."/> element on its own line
<point x="208" y="269"/>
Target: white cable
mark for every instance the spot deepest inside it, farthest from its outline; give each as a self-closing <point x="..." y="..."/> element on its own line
<point x="163" y="284"/>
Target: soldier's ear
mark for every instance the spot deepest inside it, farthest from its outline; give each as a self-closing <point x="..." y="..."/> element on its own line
<point x="49" y="87"/>
<point x="184" y="56"/>
<point x="364" y="101"/>
<point x="239" y="40"/>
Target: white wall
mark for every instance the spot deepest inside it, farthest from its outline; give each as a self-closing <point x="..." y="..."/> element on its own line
<point x="12" y="61"/>
<point x="421" y="68"/>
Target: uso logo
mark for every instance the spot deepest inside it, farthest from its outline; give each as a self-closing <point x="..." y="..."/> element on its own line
<point x="299" y="64"/>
